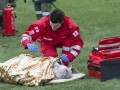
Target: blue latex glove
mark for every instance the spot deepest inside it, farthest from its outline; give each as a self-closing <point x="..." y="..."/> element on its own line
<point x="64" y="58"/>
<point x="32" y="47"/>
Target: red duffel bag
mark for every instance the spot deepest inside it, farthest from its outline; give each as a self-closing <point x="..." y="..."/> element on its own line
<point x="104" y="61"/>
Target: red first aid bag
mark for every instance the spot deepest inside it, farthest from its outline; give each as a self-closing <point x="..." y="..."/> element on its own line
<point x="104" y="61"/>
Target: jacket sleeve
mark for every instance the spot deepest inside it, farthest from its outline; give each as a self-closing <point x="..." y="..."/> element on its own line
<point x="76" y="43"/>
<point x="31" y="34"/>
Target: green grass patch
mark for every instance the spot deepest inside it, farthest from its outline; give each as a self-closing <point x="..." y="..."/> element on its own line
<point x="97" y="19"/>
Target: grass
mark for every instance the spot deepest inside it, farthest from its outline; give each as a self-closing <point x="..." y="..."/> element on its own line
<point x="97" y="19"/>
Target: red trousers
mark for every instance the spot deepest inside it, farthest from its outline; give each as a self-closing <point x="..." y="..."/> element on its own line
<point x="49" y="50"/>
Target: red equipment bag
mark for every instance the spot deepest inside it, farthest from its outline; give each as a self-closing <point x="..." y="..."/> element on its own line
<point x="104" y="61"/>
<point x="9" y="21"/>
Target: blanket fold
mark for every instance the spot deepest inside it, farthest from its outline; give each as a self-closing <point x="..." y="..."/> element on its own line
<point x="27" y="70"/>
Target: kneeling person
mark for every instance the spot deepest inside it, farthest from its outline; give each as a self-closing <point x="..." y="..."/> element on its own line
<point x="54" y="31"/>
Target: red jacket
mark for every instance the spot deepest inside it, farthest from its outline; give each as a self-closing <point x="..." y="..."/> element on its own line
<point x="42" y="31"/>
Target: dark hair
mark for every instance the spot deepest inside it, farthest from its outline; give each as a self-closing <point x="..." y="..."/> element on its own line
<point x="57" y="16"/>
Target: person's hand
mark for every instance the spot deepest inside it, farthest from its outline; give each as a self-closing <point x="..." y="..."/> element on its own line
<point x="64" y="58"/>
<point x="32" y="47"/>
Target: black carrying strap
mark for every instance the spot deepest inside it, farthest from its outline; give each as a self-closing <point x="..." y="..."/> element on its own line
<point x="54" y="5"/>
<point x="93" y="66"/>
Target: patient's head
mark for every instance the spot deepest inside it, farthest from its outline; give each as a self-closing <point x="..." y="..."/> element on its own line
<point x="61" y="71"/>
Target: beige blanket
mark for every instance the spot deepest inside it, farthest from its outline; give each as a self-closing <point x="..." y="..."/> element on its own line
<point x="27" y="70"/>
